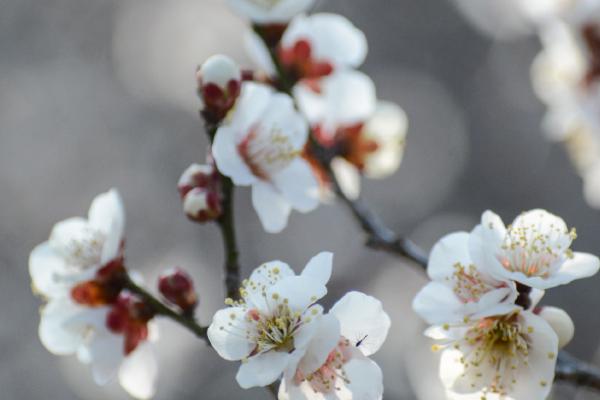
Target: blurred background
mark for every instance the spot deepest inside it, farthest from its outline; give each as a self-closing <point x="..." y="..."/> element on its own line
<point x="96" y="94"/>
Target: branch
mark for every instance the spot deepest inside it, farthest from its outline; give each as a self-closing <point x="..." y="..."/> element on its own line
<point x="161" y="309"/>
<point x="226" y="223"/>
<point x="576" y="372"/>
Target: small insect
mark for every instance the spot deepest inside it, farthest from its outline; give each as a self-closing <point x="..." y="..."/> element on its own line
<point x="360" y="341"/>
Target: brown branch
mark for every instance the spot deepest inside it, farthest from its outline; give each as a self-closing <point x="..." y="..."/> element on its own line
<point x="161" y="309"/>
<point x="226" y="223"/>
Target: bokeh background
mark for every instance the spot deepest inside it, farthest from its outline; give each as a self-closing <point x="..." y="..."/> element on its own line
<point x="96" y="94"/>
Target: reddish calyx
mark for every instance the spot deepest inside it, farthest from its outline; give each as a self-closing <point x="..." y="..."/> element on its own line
<point x="104" y="288"/>
<point x="129" y="316"/>
<point x="298" y="60"/>
<point x="217" y="100"/>
<point x="178" y="288"/>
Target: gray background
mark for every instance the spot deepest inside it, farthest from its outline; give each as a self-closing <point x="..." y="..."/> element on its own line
<point x="95" y="94"/>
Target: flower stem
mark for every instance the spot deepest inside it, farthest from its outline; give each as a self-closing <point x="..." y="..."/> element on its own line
<point x="160" y="308"/>
<point x="227" y="226"/>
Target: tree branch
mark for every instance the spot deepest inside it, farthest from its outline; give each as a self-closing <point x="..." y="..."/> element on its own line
<point x="226" y="223"/>
<point x="576" y="372"/>
<point x="161" y="309"/>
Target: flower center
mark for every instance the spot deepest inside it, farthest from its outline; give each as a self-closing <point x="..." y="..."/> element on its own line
<point x="468" y="283"/>
<point x="323" y="380"/>
<point x="275" y="332"/>
<point x="267" y="152"/>
<point x="499" y="343"/>
<point x="85" y="251"/>
<point x="534" y="253"/>
<point x="266" y="4"/>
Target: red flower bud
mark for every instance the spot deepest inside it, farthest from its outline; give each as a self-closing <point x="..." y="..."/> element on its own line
<point x="178" y="288"/>
<point x="219" y="85"/>
<point x="200" y="191"/>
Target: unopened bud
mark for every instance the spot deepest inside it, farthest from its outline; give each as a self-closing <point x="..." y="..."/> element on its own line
<point x="178" y="288"/>
<point x="200" y="190"/>
<point x="219" y="85"/>
<point x="560" y="322"/>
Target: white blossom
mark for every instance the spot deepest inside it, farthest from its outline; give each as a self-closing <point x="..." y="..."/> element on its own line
<point x="534" y="250"/>
<point x="261" y="146"/>
<point x="561" y="322"/>
<point x="76" y="251"/>
<point x="336" y="364"/>
<point x="511" y="356"/>
<point x="270" y="11"/>
<point x="461" y="286"/>
<point x="274" y="322"/>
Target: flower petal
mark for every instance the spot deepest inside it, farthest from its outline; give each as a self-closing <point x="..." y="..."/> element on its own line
<point x="365" y="378"/>
<point x="298" y="185"/>
<point x="228" y="159"/>
<point x="45" y="268"/>
<point x="106" y="350"/>
<point x="447" y="252"/>
<point x="139" y="371"/>
<point x="325" y="340"/>
<point x="107" y="214"/>
<point x="262" y="369"/>
<point x="228" y="333"/>
<point x="53" y="331"/>
<point x="299" y="291"/>
<point x="362" y="319"/>
<point x="272" y="208"/>
<point x="319" y="267"/>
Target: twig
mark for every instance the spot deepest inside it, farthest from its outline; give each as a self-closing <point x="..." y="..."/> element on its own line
<point x="576" y="372"/>
<point x="226" y="223"/>
<point x="161" y="309"/>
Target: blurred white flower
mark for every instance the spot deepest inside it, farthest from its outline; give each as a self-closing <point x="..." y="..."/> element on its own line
<point x="336" y="363"/>
<point x="274" y="322"/>
<point x="261" y="145"/>
<point x="509" y="356"/>
<point x="314" y="46"/>
<point x="461" y="287"/>
<point x="534" y="250"/>
<point x="78" y="272"/>
<point x="270" y="11"/>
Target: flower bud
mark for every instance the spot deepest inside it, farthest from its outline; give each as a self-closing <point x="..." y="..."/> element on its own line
<point x="560" y="322"/>
<point x="200" y="190"/>
<point x="178" y="288"/>
<point x="219" y="84"/>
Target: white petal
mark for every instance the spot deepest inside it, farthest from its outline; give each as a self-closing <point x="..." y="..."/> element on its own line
<point x="281" y="12"/>
<point x="258" y="52"/>
<point x="139" y="371"/>
<point x="347" y="176"/>
<point x="366" y="378"/>
<point x="227" y="333"/>
<point x="319" y="267"/>
<point x="447" y="252"/>
<point x="45" y="268"/>
<point x="300" y="291"/>
<point x="106" y="350"/>
<point x="298" y="184"/>
<point x="262" y="369"/>
<point x="582" y="265"/>
<point x="485" y="242"/>
<point x="53" y="331"/>
<point x="362" y="318"/>
<point x="307" y="331"/>
<point x="436" y="303"/>
<point x="250" y="108"/>
<point x="325" y="340"/>
<point x="107" y="214"/>
<point x="281" y="115"/>
<point x="561" y="323"/>
<point x="272" y="208"/>
<point x="228" y="159"/>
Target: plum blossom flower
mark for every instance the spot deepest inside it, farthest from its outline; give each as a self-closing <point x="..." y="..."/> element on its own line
<point x="312" y="47"/>
<point x="336" y="364"/>
<point x="270" y="11"/>
<point x="261" y="146"/>
<point x="560" y="322"/>
<point x="460" y="288"/>
<point x="274" y="322"/>
<point x="505" y="356"/>
<point x="79" y="272"/>
<point x="534" y="250"/>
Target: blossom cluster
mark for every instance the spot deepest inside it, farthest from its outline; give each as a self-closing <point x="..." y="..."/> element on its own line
<point x="482" y="304"/>
<point x="278" y="331"/>
<point x="307" y="95"/>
